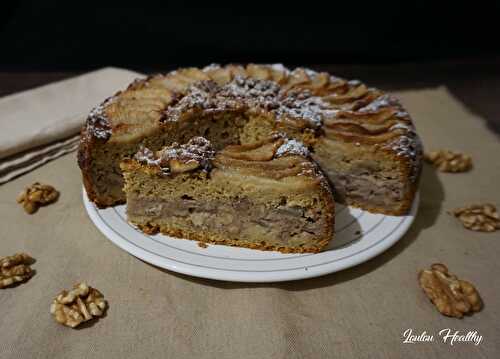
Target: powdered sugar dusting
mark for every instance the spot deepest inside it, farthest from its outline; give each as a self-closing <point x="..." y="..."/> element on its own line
<point x="292" y="147"/>
<point x="198" y="150"/>
<point x="301" y="105"/>
<point x="383" y="102"/>
<point x="311" y="73"/>
<point x="248" y="94"/>
<point x="280" y="68"/>
<point x="97" y="122"/>
<point x="410" y="146"/>
<point x="354" y="82"/>
<point x="378" y="103"/>
<point x="211" y="67"/>
<point x="146" y="156"/>
<point x="402" y="126"/>
<point x="289" y="102"/>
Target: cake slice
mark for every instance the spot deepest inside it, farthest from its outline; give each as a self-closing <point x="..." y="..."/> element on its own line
<point x="268" y="195"/>
<point x="372" y="156"/>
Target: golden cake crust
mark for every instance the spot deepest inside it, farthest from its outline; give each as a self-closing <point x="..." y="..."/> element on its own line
<point x="202" y="237"/>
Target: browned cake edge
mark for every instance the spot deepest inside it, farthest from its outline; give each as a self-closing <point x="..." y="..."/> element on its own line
<point x="84" y="157"/>
<point x="201" y="237"/>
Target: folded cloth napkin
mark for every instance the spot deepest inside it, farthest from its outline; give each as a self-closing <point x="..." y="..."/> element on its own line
<point x="42" y="124"/>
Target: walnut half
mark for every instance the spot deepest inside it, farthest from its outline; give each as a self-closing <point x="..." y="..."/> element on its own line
<point x="451" y="296"/>
<point x="79" y="305"/>
<point x="449" y="161"/>
<point x="15" y="269"/>
<point x="37" y="195"/>
<point x="478" y="217"/>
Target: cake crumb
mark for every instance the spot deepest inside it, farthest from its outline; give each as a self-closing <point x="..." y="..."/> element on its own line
<point x="202" y="245"/>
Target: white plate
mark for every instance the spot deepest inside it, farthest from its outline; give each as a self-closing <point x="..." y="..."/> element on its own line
<point x="359" y="236"/>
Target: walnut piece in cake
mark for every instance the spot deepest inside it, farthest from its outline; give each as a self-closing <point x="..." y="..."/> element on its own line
<point x="452" y="297"/>
<point x="79" y="305"/>
<point x="37" y="195"/>
<point x="478" y="217"/>
<point x="15" y="269"/>
<point x="449" y="161"/>
<point x="176" y="158"/>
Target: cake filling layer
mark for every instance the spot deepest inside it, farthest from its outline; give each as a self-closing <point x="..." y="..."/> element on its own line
<point x="242" y="221"/>
<point x="366" y="188"/>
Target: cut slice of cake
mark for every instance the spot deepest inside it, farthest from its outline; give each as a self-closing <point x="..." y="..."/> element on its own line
<point x="268" y="195"/>
<point x="372" y="156"/>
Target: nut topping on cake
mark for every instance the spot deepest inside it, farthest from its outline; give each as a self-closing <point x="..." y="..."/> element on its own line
<point x="37" y="195"/>
<point x="292" y="147"/>
<point x="244" y="93"/>
<point x="197" y="153"/>
<point x="79" y="305"/>
<point x="449" y="161"/>
<point x="15" y="269"/>
<point x="478" y="217"/>
<point x="451" y="296"/>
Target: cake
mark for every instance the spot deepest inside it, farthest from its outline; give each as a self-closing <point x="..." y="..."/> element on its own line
<point x="362" y="138"/>
<point x="268" y="195"/>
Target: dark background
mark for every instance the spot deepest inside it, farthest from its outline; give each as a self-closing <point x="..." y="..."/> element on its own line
<point x="391" y="45"/>
<point x="79" y="35"/>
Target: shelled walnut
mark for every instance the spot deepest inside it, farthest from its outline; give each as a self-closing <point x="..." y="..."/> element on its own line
<point x="478" y="217"/>
<point x="37" y="195"/>
<point x="15" y="269"/>
<point x="449" y="161"/>
<point x="451" y="296"/>
<point x="79" y="305"/>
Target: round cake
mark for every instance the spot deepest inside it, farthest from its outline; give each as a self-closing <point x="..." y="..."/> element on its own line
<point x="362" y="138"/>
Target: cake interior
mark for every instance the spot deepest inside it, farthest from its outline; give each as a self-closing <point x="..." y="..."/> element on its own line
<point x="220" y="129"/>
<point x="106" y="174"/>
<point x="361" y="177"/>
<point x="227" y="207"/>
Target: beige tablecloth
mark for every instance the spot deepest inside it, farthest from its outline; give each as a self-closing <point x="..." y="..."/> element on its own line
<point x="42" y="124"/>
<point x="357" y="313"/>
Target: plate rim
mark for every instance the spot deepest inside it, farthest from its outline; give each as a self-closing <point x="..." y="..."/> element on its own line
<point x="192" y="269"/>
